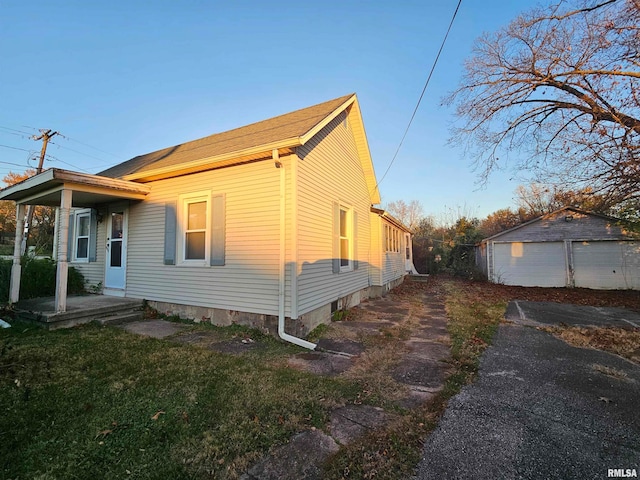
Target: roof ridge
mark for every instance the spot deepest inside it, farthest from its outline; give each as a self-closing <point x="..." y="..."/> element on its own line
<point x="206" y="140"/>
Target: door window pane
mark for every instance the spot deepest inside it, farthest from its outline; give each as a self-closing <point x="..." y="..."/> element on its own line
<point x="116" y="224"/>
<point x="116" y="253"/>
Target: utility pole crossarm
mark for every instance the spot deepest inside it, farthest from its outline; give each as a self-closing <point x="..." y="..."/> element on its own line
<point x="45" y="136"/>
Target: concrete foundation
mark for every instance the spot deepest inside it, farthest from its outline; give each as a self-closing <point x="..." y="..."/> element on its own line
<point x="299" y="327"/>
<point x="376" y="291"/>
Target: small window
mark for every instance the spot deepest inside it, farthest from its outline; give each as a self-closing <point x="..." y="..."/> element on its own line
<point x="345" y="238"/>
<point x="81" y="236"/>
<point x="195" y="228"/>
<point x="196" y="231"/>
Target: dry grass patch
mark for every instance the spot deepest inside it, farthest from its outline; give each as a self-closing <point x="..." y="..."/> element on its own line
<point x="609" y="371"/>
<point x="373" y="369"/>
<point x="621" y="341"/>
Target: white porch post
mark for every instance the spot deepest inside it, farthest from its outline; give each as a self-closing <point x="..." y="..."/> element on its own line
<point x="62" y="272"/>
<point x="56" y="234"/>
<point x="16" y="268"/>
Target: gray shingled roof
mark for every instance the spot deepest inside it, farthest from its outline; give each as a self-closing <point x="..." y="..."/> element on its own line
<point x="290" y="125"/>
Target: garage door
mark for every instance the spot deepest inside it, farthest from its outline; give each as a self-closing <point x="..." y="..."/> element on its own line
<point x="530" y="264"/>
<point x="607" y="265"/>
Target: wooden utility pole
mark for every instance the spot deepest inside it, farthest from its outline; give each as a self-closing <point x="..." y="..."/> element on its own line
<point x="45" y="136"/>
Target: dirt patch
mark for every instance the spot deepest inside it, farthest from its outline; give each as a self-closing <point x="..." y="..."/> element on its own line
<point x="320" y="363"/>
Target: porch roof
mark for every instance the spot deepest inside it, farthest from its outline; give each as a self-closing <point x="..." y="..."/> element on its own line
<point x="88" y="190"/>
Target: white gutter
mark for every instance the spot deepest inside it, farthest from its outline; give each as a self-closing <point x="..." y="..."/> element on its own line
<point x="283" y="261"/>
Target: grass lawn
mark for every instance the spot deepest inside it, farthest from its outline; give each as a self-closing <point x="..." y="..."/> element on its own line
<point x="96" y="402"/>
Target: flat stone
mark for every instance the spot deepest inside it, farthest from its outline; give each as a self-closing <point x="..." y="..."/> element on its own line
<point x="154" y="328"/>
<point x="297" y="460"/>
<point x="345" y="346"/>
<point x="353" y="421"/>
<point x="420" y="372"/>
<point x="428" y="349"/>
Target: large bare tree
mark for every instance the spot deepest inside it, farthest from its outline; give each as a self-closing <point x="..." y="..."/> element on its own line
<point x="556" y="97"/>
<point x="408" y="213"/>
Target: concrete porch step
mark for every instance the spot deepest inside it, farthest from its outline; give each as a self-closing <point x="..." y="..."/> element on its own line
<point x="80" y="309"/>
<point x="124" y="317"/>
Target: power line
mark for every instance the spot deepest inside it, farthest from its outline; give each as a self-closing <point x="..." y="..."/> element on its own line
<point x="76" y="151"/>
<point x="415" y="110"/>
<point x="90" y="146"/>
<point x="15" y="164"/>
<point x="56" y="159"/>
<point x="16" y="148"/>
<point x="21" y="135"/>
<point x="16" y="130"/>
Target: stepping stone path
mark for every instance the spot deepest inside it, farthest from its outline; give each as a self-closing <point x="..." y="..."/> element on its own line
<point x="421" y="367"/>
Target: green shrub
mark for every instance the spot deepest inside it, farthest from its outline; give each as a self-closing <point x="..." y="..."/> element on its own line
<point x="38" y="278"/>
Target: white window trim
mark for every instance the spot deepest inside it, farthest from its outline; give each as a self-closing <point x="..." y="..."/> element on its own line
<point x="85" y="212"/>
<point x="183" y="202"/>
<point x="349" y="237"/>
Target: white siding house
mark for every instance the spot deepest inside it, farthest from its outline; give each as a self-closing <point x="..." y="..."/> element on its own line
<point x="269" y="224"/>
<point x="391" y="249"/>
<point x="566" y="248"/>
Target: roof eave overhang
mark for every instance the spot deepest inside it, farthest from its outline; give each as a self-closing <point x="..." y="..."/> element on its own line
<point x="225" y="160"/>
<point x="41" y="188"/>
<point x="391" y="219"/>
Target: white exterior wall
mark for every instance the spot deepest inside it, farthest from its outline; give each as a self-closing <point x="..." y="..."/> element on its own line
<point x="248" y="281"/>
<point x="393" y="264"/>
<point x="330" y="171"/>
<point x="385" y="266"/>
<point x="377" y="249"/>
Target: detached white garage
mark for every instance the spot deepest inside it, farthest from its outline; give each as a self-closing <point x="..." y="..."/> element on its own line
<point x="566" y="248"/>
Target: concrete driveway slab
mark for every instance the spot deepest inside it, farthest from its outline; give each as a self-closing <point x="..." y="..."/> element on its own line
<point x="540" y="409"/>
<point x="539" y="314"/>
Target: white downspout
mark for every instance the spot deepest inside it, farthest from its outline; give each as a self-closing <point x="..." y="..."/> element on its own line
<point x="294" y="239"/>
<point x="283" y="261"/>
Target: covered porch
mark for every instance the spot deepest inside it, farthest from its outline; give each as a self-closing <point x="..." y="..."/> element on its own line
<point x="64" y="190"/>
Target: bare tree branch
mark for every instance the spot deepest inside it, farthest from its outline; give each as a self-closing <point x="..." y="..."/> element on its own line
<point x="556" y="95"/>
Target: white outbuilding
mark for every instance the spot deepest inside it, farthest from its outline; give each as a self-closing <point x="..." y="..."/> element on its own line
<point x="566" y="248"/>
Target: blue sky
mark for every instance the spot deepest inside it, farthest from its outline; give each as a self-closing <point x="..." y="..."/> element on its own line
<point x="119" y="79"/>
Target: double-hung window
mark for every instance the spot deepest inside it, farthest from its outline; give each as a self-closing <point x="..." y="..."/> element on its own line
<point x="345" y="238"/>
<point x="195" y="228"/>
<point x="81" y="236"/>
<point x="345" y="253"/>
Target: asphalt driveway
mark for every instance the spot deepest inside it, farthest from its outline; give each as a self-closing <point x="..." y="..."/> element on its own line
<point x="540" y="407"/>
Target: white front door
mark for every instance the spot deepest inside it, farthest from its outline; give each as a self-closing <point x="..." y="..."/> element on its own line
<point x="115" y="264"/>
